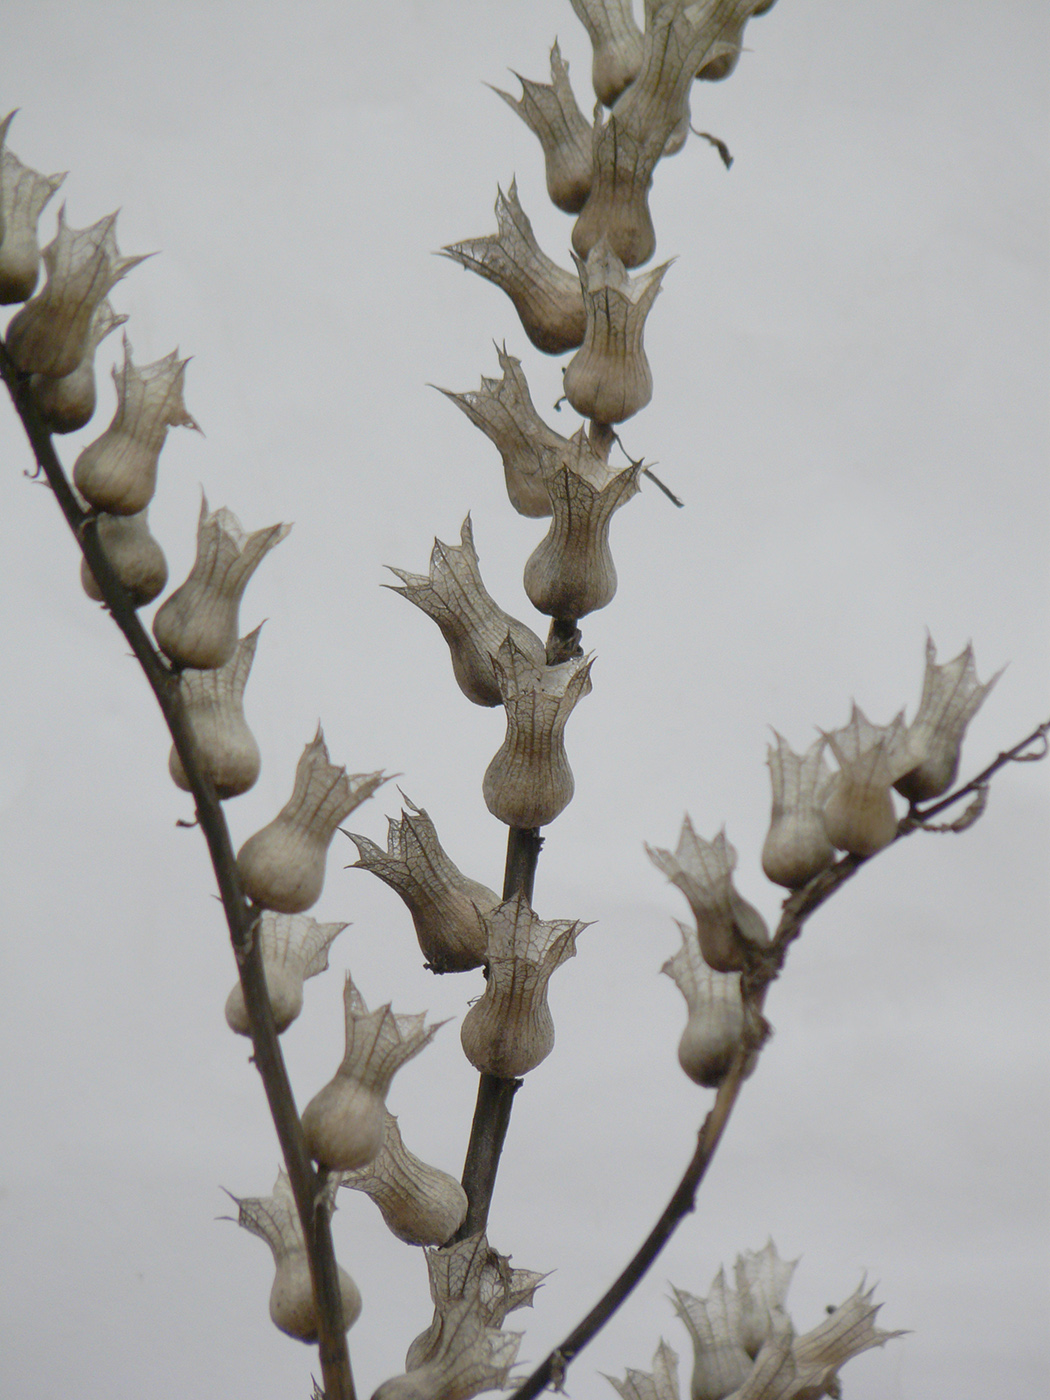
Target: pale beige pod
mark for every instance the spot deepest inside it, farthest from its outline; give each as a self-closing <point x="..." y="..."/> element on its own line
<point x="616" y="43"/>
<point x="661" y="1383"/>
<point x="796" y="847"/>
<point x="471" y="1357"/>
<point x="420" y="1204"/>
<point x="117" y="472"/>
<point x="724" y="54"/>
<point x="720" y="1363"/>
<point x="293" y="948"/>
<point x="951" y="696"/>
<point x="345" y="1123"/>
<point x="859" y="815"/>
<point x="69" y="403"/>
<point x="716" y="1022"/>
<point x="545" y="296"/>
<point x="23" y="195"/>
<point x="214" y="704"/>
<point x="134" y="555"/>
<point x="550" y="110"/>
<point x="282" y="867"/>
<point x="275" y="1219"/>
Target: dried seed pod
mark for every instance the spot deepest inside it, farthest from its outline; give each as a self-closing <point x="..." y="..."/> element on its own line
<point x="293" y="947"/>
<point x="470" y="1358"/>
<point x="858" y="811"/>
<point x="504" y="412"/>
<point x="797" y="847"/>
<point x="117" y="472"/>
<point x="49" y="334"/>
<point x="471" y="622"/>
<point x="571" y="571"/>
<point x="23" y="196"/>
<point x="420" y="1204"/>
<point x="509" y="1030"/>
<point x="720" y="1363"/>
<point x="529" y="780"/>
<point x="345" y="1123"/>
<point x="68" y="404"/>
<point x="198" y="625"/>
<point x="214" y="702"/>
<point x="292" y="1306"/>
<point x="446" y="907"/>
<point x="715" y="1029"/>
<point x="616" y="42"/>
<point x="282" y="867"/>
<point x="545" y="296"/>
<point x="762" y="1282"/>
<point x="731" y="931"/>
<point x="724" y="53"/>
<point x="661" y="1383"/>
<point x="134" y="555"/>
<point x="951" y="696"/>
<point x="608" y="378"/>
<point x="550" y="110"/>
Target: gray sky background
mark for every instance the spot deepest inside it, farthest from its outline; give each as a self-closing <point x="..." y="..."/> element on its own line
<point x="850" y="359"/>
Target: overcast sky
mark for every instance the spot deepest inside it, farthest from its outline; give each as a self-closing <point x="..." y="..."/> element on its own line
<point x="850" y="363"/>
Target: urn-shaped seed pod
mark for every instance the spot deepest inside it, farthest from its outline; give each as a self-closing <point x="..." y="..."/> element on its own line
<point x="762" y="1282"/>
<point x="616" y="42"/>
<point x="282" y="867"/>
<point x="198" y="625"/>
<point x="345" y="1123"/>
<point x="720" y="1363"/>
<point x="50" y="333"/>
<point x="844" y="1333"/>
<point x="446" y="907"/>
<point x="609" y="377"/>
<point x="529" y="781"/>
<point x="471" y="622"/>
<point x="565" y="134"/>
<point x="68" y="404"/>
<point x="118" y="471"/>
<point x="23" y="195"/>
<point x="661" y="1383"/>
<point x="136" y="557"/>
<point x="571" y="572"/>
<point x="797" y="846"/>
<point x="292" y="1306"/>
<point x="214" y="702"/>
<point x="951" y="696"/>
<point x="509" y="1030"/>
<point x="731" y="931"/>
<point x="420" y="1204"/>
<point x="504" y="412"/>
<point x="858" y="814"/>
<point x="716" y="1025"/>
<point x="722" y="57"/>
<point x="470" y="1358"/>
<point x="293" y="947"/>
<point x="545" y="296"/>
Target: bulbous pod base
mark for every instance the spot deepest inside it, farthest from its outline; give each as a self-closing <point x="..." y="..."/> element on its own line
<point x="292" y="1306"/>
<point x="344" y="1125"/>
<point x="283" y="868"/>
<point x="134" y="555"/>
<point x="859" y="819"/>
<point x="285" y="989"/>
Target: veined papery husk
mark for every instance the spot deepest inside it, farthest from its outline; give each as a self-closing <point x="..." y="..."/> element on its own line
<point x="134" y="556"/>
<point x="797" y="847"/>
<point x="859" y="815"/>
<point x="717" y="1023"/>
<point x="68" y="403"/>
<point x="550" y="110"/>
<point x="951" y="696"/>
<point x="23" y="195"/>
<point x="214" y="702"/>
<point x="420" y="1204"/>
<point x="293" y="947"/>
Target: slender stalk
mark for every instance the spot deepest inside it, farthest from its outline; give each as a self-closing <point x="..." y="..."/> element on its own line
<point x="241" y="916"/>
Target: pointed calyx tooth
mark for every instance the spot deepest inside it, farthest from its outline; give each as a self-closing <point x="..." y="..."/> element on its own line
<point x="529" y="780"/>
<point x="198" y="625"/>
<point x="420" y="1204"/>
<point x="661" y="1383"/>
<point x="616" y="42"/>
<point x="214" y="703"/>
<point x="859" y="815"/>
<point x="282" y="867"/>
<point x="470" y="1273"/>
<point x="117" y="472"/>
<point x="732" y="933"/>
<point x="68" y="403"/>
<point x="608" y="378"/>
<point x="717" y="1022"/>
<point x="470" y="621"/>
<point x="446" y="906"/>
<point x="571" y="572"/>
<point x="545" y="296"/>
<point x="292" y="1306"/>
<point x="509" y="1030"/>
<point x="951" y="696"/>
<point x="293" y="947"/>
<point x="49" y="334"/>
<point x="23" y="195"/>
<point x="797" y="847"/>
<point x="134" y="556"/>
<point x="504" y="411"/>
<point x="345" y="1123"/>
<point x="565" y="134"/>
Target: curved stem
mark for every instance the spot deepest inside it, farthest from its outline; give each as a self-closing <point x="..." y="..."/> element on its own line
<point x="241" y="916"/>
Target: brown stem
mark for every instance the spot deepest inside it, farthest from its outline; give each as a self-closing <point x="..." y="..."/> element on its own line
<point x="241" y="916"/>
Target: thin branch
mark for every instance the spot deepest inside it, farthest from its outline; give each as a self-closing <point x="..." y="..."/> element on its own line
<point x="241" y="916"/>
